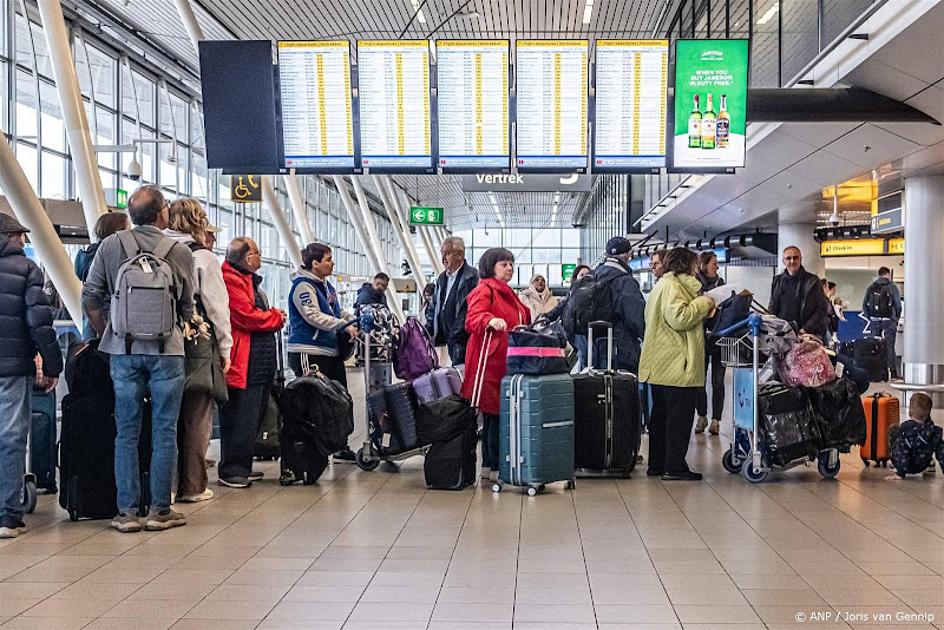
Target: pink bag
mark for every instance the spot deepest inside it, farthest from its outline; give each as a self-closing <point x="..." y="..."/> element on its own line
<point x="807" y="364"/>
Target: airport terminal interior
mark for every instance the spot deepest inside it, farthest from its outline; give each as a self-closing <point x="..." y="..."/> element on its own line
<point x="560" y="131"/>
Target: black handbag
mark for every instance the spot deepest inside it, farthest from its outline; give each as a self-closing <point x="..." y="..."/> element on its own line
<point x="731" y="311"/>
<point x="536" y="352"/>
<point x="204" y="374"/>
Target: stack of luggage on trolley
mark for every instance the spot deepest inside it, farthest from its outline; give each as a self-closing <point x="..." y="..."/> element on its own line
<point x="809" y="404"/>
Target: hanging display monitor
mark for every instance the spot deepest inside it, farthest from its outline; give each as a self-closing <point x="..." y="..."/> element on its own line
<point x="710" y="104"/>
<point x="472" y="105"/>
<point x="630" y="114"/>
<point x="551" y="106"/>
<point x="317" y="121"/>
<point x="394" y="95"/>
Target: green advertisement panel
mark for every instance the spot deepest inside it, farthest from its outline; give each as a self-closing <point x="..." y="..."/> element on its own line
<point x="710" y="104"/>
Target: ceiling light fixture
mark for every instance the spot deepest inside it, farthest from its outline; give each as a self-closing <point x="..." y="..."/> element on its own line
<point x="770" y="13"/>
<point x="469" y="15"/>
<point x="588" y="12"/>
<point x="834" y="218"/>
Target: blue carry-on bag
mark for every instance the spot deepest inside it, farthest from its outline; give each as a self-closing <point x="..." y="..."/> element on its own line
<point x="43" y="439"/>
<point x="536" y="431"/>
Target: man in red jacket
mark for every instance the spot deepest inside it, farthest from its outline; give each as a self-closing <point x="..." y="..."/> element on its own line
<point x="254" y="362"/>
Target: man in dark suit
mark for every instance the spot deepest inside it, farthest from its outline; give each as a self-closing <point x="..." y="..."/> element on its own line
<point x="452" y="289"/>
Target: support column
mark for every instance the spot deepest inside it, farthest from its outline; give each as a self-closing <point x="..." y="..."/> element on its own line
<point x="433" y="252"/>
<point x="30" y="213"/>
<point x="800" y="235"/>
<point x="190" y="23"/>
<point x="281" y="222"/>
<point x="388" y="196"/>
<point x="374" y="255"/>
<point x="73" y="113"/>
<point x="298" y="207"/>
<point x="924" y="292"/>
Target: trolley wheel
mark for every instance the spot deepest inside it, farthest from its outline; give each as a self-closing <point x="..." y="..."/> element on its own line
<point x="532" y="491"/>
<point x="286" y="480"/>
<point x="827" y="471"/>
<point x="73" y="516"/>
<point x="730" y="462"/>
<point x="29" y="494"/>
<point x="307" y="479"/>
<point x="752" y="475"/>
<point x="496" y="488"/>
<point x="571" y="484"/>
<point x="365" y="462"/>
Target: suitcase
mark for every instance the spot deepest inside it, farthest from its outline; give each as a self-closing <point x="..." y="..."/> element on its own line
<point x="401" y="409"/>
<point x="300" y="460"/>
<point x="393" y="420"/>
<point x="607" y="416"/>
<point x="788" y="430"/>
<point x="87" y="458"/>
<point x="437" y="384"/>
<point x="43" y="439"/>
<point x="267" y="441"/>
<point x="882" y="417"/>
<point x="536" y="431"/>
<point x="870" y="354"/>
<point x="450" y="464"/>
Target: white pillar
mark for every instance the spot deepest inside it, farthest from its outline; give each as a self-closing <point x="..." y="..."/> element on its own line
<point x="924" y="289"/>
<point x="190" y="23"/>
<point x="800" y="235"/>
<point x="281" y="222"/>
<point x="298" y="207"/>
<point x="374" y="256"/>
<point x="73" y="113"/>
<point x="433" y="252"/>
<point x="387" y="196"/>
<point x="30" y="213"/>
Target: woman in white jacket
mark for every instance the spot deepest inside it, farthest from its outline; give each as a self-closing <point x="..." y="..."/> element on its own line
<point x="188" y="225"/>
<point x="538" y="297"/>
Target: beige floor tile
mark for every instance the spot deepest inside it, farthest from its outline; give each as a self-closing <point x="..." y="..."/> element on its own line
<point x="369" y="611"/>
<point x="476" y="595"/>
<point x="480" y="613"/>
<point x="635" y="614"/>
<point x="150" y="609"/>
<point x="264" y="578"/>
<point x="318" y="611"/>
<point x="376" y="593"/>
<point x="55" y="607"/>
<point x="164" y="590"/>
<point x="783" y="597"/>
<point x="553" y="613"/>
<point x="385" y="625"/>
<point x="716" y="614"/>
<point x="46" y="623"/>
<point x="323" y="593"/>
<point x="621" y="595"/>
<point x="115" y="623"/>
<point x="921" y="598"/>
<point x="862" y="597"/>
<point x="327" y="578"/>
<point x="468" y="625"/>
<point x="215" y="624"/>
<point x="13" y="606"/>
<point x="39" y="590"/>
<point x="251" y="609"/>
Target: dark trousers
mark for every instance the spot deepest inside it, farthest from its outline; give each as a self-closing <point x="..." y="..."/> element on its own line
<point x="240" y="418"/>
<point x="670" y="427"/>
<point x="490" y="445"/>
<point x="888" y="329"/>
<point x="456" y="353"/>
<point x="331" y="367"/>
<point x="713" y="360"/>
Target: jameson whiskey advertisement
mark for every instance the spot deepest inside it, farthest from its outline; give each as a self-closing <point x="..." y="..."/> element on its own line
<point x="710" y="103"/>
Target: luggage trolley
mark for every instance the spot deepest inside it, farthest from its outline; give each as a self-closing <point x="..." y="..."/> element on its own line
<point x="376" y="377"/>
<point x="746" y="454"/>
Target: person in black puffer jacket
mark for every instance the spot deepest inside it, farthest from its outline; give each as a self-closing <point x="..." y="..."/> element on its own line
<point x="25" y="330"/>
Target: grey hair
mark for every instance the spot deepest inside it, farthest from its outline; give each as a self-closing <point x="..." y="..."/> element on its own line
<point x="237" y="250"/>
<point x="455" y="241"/>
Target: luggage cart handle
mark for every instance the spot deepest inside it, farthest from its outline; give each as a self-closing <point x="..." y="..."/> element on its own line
<point x="753" y="321"/>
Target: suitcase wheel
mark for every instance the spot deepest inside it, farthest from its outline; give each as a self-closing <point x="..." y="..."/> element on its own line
<point x="73" y="516"/>
<point x="365" y="461"/>
<point x="307" y="479"/>
<point x="571" y="484"/>
<point x="532" y="491"/>
<point x="825" y="470"/>
<point x="286" y="479"/>
<point x="496" y="488"/>
<point x="29" y="494"/>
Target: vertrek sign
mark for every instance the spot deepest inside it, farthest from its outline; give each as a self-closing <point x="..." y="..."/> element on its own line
<point x="526" y="183"/>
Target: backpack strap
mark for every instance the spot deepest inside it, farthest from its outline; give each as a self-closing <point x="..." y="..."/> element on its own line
<point x="163" y="247"/>
<point x="129" y="242"/>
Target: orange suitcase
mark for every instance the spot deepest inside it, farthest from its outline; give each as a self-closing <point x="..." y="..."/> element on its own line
<point x="882" y="416"/>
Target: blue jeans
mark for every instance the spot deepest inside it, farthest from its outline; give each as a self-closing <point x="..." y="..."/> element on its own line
<point x="579" y="342"/>
<point x="134" y="375"/>
<point x="14" y="430"/>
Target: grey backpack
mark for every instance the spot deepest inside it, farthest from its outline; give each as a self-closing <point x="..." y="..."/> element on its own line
<point x="144" y="304"/>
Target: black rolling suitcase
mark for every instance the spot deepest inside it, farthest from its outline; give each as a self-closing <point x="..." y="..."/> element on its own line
<point x="870" y="354"/>
<point x="607" y="416"/>
<point x="450" y="464"/>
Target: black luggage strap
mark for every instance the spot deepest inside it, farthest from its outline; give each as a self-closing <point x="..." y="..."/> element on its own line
<point x="875" y="399"/>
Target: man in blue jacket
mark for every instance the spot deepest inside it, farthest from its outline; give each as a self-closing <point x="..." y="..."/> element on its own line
<point x="882" y="305"/>
<point x="25" y="330"/>
<point x="629" y="307"/>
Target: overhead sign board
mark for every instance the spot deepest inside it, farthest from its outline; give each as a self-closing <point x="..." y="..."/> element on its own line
<point x="427" y="216"/>
<point x="317" y="117"/>
<point x="887" y="222"/>
<point x="473" y="104"/>
<point x="629" y="125"/>
<point x="394" y="105"/>
<point x="245" y="188"/>
<point x="526" y="182"/>
<point x="853" y="247"/>
<point x="552" y="103"/>
<point x="710" y="105"/>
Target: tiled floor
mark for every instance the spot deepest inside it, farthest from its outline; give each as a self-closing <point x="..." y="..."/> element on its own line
<point x="377" y="550"/>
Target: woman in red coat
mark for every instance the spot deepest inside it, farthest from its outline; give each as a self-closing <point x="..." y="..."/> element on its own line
<point x="494" y="309"/>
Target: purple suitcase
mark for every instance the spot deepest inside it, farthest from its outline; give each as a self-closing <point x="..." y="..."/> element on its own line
<point x="437" y="384"/>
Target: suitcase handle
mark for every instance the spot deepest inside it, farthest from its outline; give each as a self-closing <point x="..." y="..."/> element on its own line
<point x="609" y="344"/>
<point x="480" y="370"/>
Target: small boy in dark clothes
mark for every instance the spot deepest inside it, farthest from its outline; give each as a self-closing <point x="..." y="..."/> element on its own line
<point x="917" y="440"/>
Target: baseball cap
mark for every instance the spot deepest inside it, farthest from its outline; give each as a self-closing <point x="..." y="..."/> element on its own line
<point x="213" y="228"/>
<point x="618" y="245"/>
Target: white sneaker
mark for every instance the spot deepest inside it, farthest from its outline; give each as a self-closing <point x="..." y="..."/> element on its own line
<point x="206" y="495"/>
<point x="486" y="473"/>
<point x="701" y="424"/>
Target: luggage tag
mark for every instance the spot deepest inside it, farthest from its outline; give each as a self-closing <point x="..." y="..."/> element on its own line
<point x="146" y="265"/>
<point x="385" y="442"/>
<point x="840" y="369"/>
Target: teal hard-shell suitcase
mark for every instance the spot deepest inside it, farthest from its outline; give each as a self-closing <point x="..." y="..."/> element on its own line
<point x="536" y="431"/>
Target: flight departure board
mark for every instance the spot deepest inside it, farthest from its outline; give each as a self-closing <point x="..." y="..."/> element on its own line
<point x="393" y="86"/>
<point x="473" y="104"/>
<point x="551" y="119"/>
<point x="629" y="124"/>
<point x="317" y="122"/>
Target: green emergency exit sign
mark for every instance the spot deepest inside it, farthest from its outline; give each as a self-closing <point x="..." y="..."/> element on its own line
<point x="567" y="271"/>
<point x="121" y="198"/>
<point x="427" y="216"/>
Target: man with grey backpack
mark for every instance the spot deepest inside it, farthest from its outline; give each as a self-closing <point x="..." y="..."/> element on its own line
<point x="147" y="280"/>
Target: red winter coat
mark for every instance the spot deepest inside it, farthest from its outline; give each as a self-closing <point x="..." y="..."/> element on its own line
<point x="245" y="319"/>
<point x="491" y="298"/>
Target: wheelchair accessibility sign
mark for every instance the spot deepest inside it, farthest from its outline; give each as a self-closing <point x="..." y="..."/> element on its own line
<point x="245" y="188"/>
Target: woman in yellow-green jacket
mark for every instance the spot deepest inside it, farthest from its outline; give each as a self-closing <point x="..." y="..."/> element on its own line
<point x="673" y="363"/>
